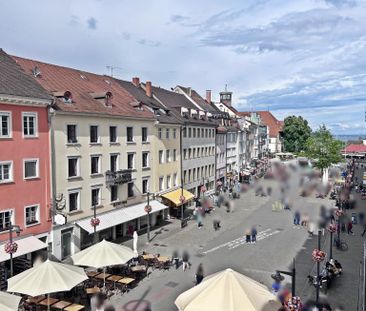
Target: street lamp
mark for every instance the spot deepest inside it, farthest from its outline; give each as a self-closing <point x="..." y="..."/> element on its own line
<point x="278" y="277"/>
<point x="318" y="256"/>
<point x="94" y="222"/>
<point x="148" y="210"/>
<point x="11" y="247"/>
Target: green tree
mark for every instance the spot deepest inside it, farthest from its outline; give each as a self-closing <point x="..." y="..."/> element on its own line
<point x="296" y="131"/>
<point x="323" y="148"/>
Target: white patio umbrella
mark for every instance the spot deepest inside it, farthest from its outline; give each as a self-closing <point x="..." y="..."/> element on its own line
<point x="9" y="302"/>
<point x="230" y="291"/>
<point x="103" y="254"/>
<point x="46" y="278"/>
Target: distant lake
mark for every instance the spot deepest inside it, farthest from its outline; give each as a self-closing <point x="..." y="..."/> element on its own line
<point x="350" y="137"/>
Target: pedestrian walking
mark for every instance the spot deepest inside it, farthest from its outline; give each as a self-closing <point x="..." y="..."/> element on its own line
<point x="176" y="259"/>
<point x="349" y="228"/>
<point x="297" y="218"/>
<point x="247" y="236"/>
<point x="199" y="274"/>
<point x="185" y="260"/>
<point x="254" y="235"/>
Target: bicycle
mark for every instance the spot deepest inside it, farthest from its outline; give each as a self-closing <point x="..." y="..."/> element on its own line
<point x="340" y="244"/>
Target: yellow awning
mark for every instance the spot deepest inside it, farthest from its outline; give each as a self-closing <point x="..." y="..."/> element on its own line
<point x="174" y="196"/>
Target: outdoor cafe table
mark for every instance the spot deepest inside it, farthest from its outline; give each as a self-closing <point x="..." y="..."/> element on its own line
<point x="148" y="257"/>
<point x="163" y="259"/>
<point x="92" y="290"/>
<point x="74" y="307"/>
<point x="48" y="301"/>
<point x="114" y="278"/>
<point x="102" y="276"/>
<point x="35" y="299"/>
<point x="61" y="304"/>
<point x="92" y="274"/>
<point x="138" y="268"/>
<point x="126" y="281"/>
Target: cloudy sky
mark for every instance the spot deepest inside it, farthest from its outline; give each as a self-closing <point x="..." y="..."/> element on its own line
<point x="303" y="57"/>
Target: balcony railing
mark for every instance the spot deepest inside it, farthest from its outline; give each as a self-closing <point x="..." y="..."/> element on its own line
<point x="118" y="177"/>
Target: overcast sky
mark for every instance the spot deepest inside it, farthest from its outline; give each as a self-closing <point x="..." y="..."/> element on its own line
<point x="303" y="57"/>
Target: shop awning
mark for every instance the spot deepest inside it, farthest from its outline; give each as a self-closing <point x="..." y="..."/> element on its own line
<point x="25" y="246"/>
<point x="120" y="216"/>
<point x="174" y="196"/>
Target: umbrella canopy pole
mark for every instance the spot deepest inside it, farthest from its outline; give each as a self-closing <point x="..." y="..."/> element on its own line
<point x="104" y="280"/>
<point x="48" y="302"/>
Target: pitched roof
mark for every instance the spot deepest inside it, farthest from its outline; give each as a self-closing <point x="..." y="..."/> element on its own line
<point x="355" y="148"/>
<point x="14" y="81"/>
<point x="82" y="85"/>
<point x="140" y="94"/>
<point x="176" y="101"/>
<point x="198" y="99"/>
<point x="275" y="126"/>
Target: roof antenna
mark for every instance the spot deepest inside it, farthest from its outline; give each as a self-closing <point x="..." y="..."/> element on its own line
<point x="225" y="87"/>
<point x="111" y="69"/>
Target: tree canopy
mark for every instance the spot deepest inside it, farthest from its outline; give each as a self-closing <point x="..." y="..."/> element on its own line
<point x="323" y="148"/>
<point x="296" y="131"/>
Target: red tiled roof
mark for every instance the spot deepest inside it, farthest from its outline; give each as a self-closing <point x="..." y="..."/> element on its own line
<point x="275" y="126"/>
<point x="81" y="84"/>
<point x="355" y="148"/>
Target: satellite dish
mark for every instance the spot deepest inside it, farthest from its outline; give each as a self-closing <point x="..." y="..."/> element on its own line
<point x="60" y="219"/>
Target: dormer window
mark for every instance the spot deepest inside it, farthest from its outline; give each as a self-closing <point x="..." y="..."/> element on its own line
<point x="104" y="97"/>
<point x="66" y="96"/>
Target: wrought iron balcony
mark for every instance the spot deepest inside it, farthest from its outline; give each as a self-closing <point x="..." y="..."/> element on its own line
<point x="118" y="177"/>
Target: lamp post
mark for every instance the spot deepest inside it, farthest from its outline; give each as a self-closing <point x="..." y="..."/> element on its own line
<point x="94" y="222"/>
<point x="318" y="256"/>
<point x="11" y="247"/>
<point x="291" y="273"/>
<point x="148" y="210"/>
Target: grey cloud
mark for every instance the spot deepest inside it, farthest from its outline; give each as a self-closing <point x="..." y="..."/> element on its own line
<point x="74" y="20"/>
<point x="342" y="3"/>
<point x="149" y="42"/>
<point x="290" y="32"/>
<point x="92" y="23"/>
<point x="178" y="18"/>
<point x="126" y="35"/>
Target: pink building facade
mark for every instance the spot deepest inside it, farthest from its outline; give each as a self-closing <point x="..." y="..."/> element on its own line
<point x="24" y="169"/>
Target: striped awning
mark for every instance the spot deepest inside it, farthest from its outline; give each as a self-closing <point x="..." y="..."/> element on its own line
<point x="174" y="196"/>
<point x="25" y="246"/>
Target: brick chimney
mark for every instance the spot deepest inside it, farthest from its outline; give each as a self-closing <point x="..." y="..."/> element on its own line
<point x="208" y="96"/>
<point x="148" y="89"/>
<point x="136" y="81"/>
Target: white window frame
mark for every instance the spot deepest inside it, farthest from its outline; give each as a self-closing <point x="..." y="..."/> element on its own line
<point x="174" y="155"/>
<point x="10" y="125"/>
<point x="162" y="184"/>
<point x="98" y="134"/>
<point x="133" y="136"/>
<point x="175" y="179"/>
<point x="109" y="134"/>
<point x="37" y="215"/>
<point x="76" y="133"/>
<point x="71" y="191"/>
<point x="11" y="172"/>
<point x="161" y="158"/>
<point x="147" y="186"/>
<point x="168" y="181"/>
<point x="133" y="191"/>
<point x="12" y="216"/>
<point x="30" y="114"/>
<point x="147" y="134"/>
<point x="110" y="194"/>
<point x="148" y="159"/>
<point x="117" y="161"/>
<point x="160" y="133"/>
<point x="174" y="133"/>
<point x="167" y="133"/>
<point x="133" y="160"/>
<point x="167" y="155"/>
<point x="77" y="167"/>
<point x="37" y="168"/>
<point x="99" y="164"/>
<point x="95" y="187"/>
